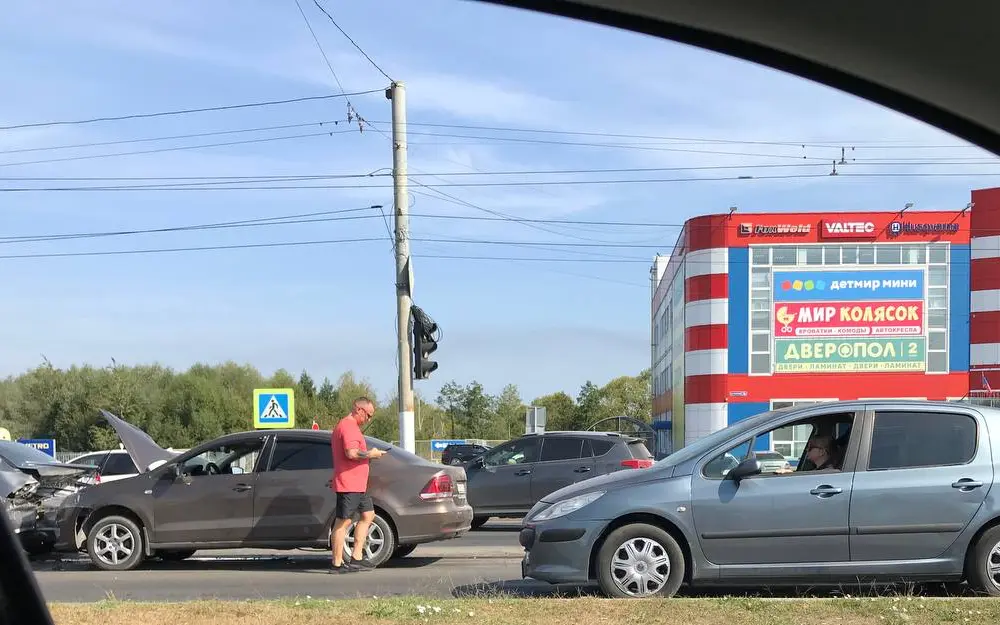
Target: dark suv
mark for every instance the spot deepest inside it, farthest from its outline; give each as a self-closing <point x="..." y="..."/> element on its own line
<point x="460" y="454"/>
<point x="509" y="479"/>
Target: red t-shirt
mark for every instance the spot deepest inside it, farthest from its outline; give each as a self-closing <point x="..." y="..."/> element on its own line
<point x="349" y="476"/>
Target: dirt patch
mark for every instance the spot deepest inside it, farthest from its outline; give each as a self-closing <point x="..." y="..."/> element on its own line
<point x="504" y="611"/>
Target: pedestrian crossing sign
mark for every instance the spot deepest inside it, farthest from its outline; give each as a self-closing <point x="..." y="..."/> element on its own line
<point x="274" y="408"/>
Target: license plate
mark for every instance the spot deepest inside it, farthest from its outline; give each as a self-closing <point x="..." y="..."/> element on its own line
<point x="460" y="488"/>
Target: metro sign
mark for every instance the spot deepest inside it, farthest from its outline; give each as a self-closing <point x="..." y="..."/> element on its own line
<point x="848" y="229"/>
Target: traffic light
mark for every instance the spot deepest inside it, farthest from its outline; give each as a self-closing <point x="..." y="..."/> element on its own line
<point x="423" y="346"/>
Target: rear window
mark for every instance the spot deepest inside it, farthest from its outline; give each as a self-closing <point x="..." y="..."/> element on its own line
<point x="638" y="449"/>
<point x="119" y="464"/>
<point x="601" y="447"/>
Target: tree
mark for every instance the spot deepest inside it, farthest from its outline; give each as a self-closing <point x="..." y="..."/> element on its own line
<point x="560" y="410"/>
<point x="307" y="386"/>
<point x="628" y="395"/>
<point x="509" y="413"/>
<point x="589" y="406"/>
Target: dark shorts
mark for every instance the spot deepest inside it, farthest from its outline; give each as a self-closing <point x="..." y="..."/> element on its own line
<point x="350" y="504"/>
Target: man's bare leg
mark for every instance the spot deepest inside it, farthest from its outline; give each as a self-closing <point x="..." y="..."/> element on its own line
<point x="361" y="534"/>
<point x="339" y="540"/>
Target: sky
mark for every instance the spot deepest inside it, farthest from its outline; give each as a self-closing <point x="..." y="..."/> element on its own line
<point x="491" y="92"/>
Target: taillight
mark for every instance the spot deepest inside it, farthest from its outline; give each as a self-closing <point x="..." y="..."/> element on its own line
<point x="97" y="478"/>
<point x="440" y="487"/>
<point x="637" y="463"/>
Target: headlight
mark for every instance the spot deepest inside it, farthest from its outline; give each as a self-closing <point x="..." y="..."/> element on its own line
<point x="564" y="507"/>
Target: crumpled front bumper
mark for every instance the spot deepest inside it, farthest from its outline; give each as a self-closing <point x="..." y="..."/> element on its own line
<point x="31" y="522"/>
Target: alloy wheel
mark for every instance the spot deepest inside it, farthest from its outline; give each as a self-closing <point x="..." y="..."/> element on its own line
<point x="114" y="544"/>
<point x="373" y="546"/>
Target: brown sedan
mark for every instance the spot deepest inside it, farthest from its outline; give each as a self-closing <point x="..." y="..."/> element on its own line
<point x="259" y="489"/>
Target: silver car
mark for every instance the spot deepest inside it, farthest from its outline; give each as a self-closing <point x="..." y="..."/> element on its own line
<point x="909" y="497"/>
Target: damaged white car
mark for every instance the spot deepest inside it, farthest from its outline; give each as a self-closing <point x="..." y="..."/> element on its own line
<point x="33" y="485"/>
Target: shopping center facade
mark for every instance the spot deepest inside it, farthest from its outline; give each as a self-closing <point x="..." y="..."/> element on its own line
<point x="757" y="311"/>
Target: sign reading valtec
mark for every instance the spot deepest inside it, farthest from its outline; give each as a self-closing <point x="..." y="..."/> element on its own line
<point x="844" y="355"/>
<point x="839" y="229"/>
<point x="886" y="285"/>
<point x="747" y="229"/>
<point x="44" y="445"/>
<point x="848" y="319"/>
<point x="274" y="408"/>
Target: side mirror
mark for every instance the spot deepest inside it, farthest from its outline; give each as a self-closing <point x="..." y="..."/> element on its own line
<point x="750" y="466"/>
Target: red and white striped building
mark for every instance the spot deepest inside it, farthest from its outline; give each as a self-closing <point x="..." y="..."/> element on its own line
<point x="755" y="312"/>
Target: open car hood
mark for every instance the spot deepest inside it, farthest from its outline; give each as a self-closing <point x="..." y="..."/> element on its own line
<point x="141" y="447"/>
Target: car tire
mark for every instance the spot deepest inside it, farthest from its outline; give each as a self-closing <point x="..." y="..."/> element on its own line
<point x="646" y="549"/>
<point x="175" y="555"/>
<point x="381" y="543"/>
<point x="985" y="553"/>
<point x="128" y="546"/>
<point x="479" y="521"/>
<point x="403" y="550"/>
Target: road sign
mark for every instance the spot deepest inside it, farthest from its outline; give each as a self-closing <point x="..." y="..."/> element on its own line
<point x="274" y="408"/>
<point x="438" y="444"/>
<point x="45" y="445"/>
<point x="315" y="425"/>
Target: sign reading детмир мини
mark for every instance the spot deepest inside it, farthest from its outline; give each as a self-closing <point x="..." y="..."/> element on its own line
<point x="848" y="320"/>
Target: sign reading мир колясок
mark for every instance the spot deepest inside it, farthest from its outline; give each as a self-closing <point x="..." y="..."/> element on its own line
<point x="848" y="318"/>
<point x="803" y="285"/>
<point x="846" y="355"/>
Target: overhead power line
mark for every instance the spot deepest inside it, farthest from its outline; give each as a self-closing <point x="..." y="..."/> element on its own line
<point x="196" y="135"/>
<point x="353" y="43"/>
<point x="868" y="144"/>
<point x="207" y="109"/>
<point x="304" y="187"/>
<point x="178" y="148"/>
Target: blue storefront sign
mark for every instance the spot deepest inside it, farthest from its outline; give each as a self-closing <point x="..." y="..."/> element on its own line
<point x="45" y="445"/>
<point x="439" y="444"/>
<point x="849" y="285"/>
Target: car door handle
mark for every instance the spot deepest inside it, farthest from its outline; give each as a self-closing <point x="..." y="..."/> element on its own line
<point x="523" y="472"/>
<point x="581" y="470"/>
<point x="826" y="491"/>
<point x="966" y="484"/>
<point x="242" y="488"/>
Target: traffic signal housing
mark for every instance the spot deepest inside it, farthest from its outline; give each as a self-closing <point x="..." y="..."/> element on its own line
<point x="423" y="346"/>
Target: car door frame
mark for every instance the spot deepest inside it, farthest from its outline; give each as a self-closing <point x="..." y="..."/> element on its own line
<point x="162" y="472"/>
<point x="320" y="535"/>
<point x="945" y="562"/>
<point x="583" y="466"/>
<point x="519" y="506"/>
<point x="779" y="571"/>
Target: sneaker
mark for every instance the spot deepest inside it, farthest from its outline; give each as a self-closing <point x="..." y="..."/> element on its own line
<point x="343" y="568"/>
<point x="361" y="565"/>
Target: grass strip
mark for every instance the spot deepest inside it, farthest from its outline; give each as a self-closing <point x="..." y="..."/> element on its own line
<point x="897" y="610"/>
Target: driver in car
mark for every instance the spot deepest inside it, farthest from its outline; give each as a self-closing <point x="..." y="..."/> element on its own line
<point x="820" y="452"/>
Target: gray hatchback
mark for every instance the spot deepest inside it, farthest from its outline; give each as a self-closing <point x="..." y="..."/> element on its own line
<point x="884" y="491"/>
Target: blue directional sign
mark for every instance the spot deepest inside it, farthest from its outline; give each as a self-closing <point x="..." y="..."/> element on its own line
<point x="45" y="445"/>
<point x="274" y="408"/>
<point x="438" y="444"/>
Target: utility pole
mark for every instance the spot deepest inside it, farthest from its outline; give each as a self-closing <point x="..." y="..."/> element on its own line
<point x="404" y="272"/>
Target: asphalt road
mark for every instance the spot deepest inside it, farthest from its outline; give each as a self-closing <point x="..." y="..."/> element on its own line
<point x="481" y="561"/>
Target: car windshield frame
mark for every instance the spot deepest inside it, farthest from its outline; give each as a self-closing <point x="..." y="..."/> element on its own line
<point x="704" y="445"/>
<point x="19" y="454"/>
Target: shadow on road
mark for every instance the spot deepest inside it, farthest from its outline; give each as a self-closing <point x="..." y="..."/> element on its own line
<point x="529" y="588"/>
<point x="522" y="588"/>
<point x="243" y="564"/>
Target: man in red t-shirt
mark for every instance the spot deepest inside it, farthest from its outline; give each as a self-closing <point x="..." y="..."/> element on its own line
<point x="350" y="482"/>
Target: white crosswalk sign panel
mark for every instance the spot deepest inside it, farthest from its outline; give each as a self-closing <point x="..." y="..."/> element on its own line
<point x="274" y="408"/>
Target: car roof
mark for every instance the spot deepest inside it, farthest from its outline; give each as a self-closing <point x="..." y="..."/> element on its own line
<point x="584" y="434"/>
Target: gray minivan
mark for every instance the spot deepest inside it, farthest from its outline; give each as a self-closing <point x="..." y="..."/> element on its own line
<point x="907" y="496"/>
